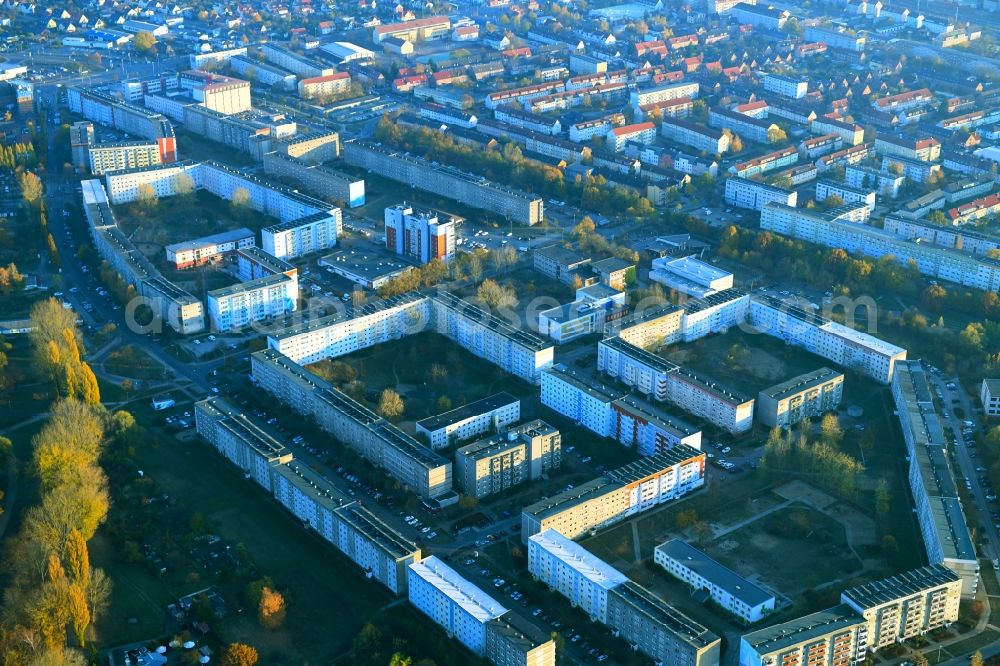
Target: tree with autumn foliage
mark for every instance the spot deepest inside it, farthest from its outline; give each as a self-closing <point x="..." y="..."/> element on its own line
<point x="239" y="654"/>
<point x="271" y="610"/>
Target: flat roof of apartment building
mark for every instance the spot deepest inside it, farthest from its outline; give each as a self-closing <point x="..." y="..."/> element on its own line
<point x="232" y="419"/>
<point x="369" y="308"/>
<point x="586" y="383"/>
<point x="468" y="411"/>
<point x="266" y="259"/>
<point x="215" y="239"/>
<point x="649" y="314"/>
<point x="518" y="632"/>
<point x="656" y="416"/>
<point x="713" y="300"/>
<point x="801" y="383"/>
<point x="578" y="558"/>
<point x="374" y="529"/>
<point x="654" y="465"/>
<point x="803" y="629"/>
<point x="718" y="575"/>
<point x="313" y="485"/>
<point x="460" y="591"/>
<point x="659" y="612"/>
<point x="649" y="359"/>
<point x="893" y="588"/>
<point x="250" y="285"/>
<point x="466" y="309"/>
<point x="566" y="499"/>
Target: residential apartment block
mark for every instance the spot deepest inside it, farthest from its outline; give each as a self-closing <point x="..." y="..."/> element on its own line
<point x="746" y="127"/>
<point x="786" y="86"/>
<point x="105" y="157"/>
<point x="321" y="181"/>
<point x="223" y="94"/>
<point x="697" y="136"/>
<point x="475" y="418"/>
<point x="658" y="630"/>
<point x="452" y="602"/>
<point x="746" y="193"/>
<point x="513" y="641"/>
<point x="337" y="83"/>
<point x="107" y="109"/>
<point x="417" y="467"/>
<point x="338" y="334"/>
<point x="926" y="149"/>
<point x="419" y="235"/>
<point x="837" y="228"/>
<point x="474" y="191"/>
<point x="479" y="332"/>
<point x="906" y="605"/>
<point x="849" y="195"/>
<point x="518" y="352"/>
<point x="302" y="236"/>
<point x="237" y="306"/>
<point x="179" y="309"/>
<point x="569" y="569"/>
<point x="833" y="341"/>
<point x="799" y="398"/>
<point x="836" y="636"/>
<point x="381" y="552"/>
<point x="240" y="440"/>
<point x="744" y="599"/>
<point x="939" y="511"/>
<point x="644" y="96"/>
<point x="208" y="248"/>
<point x="989" y="396"/>
<point x="508" y="458"/>
<point x="649" y="327"/>
<point x="658" y="379"/>
<point x="618" y="494"/>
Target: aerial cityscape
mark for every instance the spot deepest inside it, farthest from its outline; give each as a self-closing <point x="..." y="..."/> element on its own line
<point x="500" y="332"/>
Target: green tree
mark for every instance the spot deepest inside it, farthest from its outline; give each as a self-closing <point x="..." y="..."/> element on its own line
<point x="6" y="450"/>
